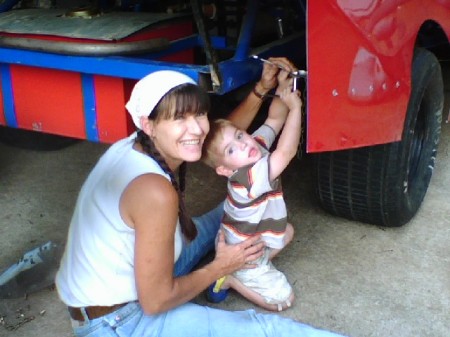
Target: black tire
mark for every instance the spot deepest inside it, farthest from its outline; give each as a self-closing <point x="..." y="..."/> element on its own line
<point x="33" y="140"/>
<point x="385" y="184"/>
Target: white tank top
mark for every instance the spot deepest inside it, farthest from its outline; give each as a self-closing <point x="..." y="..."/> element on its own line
<point x="97" y="268"/>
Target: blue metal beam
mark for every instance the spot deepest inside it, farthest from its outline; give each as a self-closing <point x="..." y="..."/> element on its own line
<point x="8" y="96"/>
<point x="90" y="108"/>
<point x="236" y="71"/>
<point x="115" y="66"/>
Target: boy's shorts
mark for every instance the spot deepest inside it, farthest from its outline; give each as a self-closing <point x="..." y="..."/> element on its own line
<point x="266" y="280"/>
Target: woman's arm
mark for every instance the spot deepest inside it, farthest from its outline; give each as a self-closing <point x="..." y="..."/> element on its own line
<point x="154" y="217"/>
<point x="243" y="115"/>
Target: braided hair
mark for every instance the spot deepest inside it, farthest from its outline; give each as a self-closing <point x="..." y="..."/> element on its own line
<point x="181" y="100"/>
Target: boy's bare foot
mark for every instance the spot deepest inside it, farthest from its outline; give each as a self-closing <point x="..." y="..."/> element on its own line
<point x="251" y="295"/>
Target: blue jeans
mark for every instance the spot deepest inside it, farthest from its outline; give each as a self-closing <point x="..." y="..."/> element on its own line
<point x="207" y="225"/>
<point x="193" y="320"/>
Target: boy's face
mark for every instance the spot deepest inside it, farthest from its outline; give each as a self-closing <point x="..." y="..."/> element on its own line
<point x="237" y="149"/>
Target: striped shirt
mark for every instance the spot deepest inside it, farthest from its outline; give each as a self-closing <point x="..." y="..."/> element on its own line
<point x="254" y="204"/>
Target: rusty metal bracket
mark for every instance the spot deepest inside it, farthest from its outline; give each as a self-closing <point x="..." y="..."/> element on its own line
<point x="211" y="55"/>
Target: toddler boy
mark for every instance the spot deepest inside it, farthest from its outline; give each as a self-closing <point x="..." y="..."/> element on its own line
<point x="255" y="204"/>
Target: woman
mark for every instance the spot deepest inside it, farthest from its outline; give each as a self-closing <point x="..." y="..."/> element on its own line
<point x="129" y="227"/>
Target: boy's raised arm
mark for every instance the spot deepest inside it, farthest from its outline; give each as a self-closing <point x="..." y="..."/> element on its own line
<point x="278" y="110"/>
<point x="290" y="136"/>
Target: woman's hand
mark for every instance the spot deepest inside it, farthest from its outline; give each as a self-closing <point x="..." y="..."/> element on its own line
<point x="243" y="115"/>
<point x="270" y="72"/>
<point x="284" y="81"/>
<point x="230" y="258"/>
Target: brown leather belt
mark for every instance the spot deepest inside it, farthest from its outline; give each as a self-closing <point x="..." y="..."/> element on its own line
<point x="93" y="312"/>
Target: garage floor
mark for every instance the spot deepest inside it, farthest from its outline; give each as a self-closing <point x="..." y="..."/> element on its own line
<point x="352" y="278"/>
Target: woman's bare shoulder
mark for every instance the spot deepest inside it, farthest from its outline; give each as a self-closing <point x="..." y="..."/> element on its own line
<point x="148" y="194"/>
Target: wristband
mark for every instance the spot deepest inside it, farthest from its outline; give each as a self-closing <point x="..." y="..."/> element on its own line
<point x="259" y="95"/>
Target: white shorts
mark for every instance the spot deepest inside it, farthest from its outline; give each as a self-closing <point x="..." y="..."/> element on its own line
<point x="266" y="280"/>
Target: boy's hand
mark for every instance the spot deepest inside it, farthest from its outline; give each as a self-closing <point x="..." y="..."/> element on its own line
<point x="291" y="98"/>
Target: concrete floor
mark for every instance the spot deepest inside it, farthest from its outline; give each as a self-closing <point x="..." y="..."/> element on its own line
<point x="352" y="278"/>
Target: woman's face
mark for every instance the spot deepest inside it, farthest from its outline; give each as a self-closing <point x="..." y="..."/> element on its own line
<point x="181" y="139"/>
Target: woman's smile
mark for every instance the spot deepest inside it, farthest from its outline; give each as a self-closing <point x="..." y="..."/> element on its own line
<point x="191" y="142"/>
<point x="192" y="145"/>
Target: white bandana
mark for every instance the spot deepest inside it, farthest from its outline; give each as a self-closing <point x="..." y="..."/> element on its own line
<point x="149" y="91"/>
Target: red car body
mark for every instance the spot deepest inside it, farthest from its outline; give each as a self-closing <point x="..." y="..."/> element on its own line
<point x="359" y="68"/>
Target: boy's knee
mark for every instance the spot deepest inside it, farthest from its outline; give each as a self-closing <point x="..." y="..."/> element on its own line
<point x="289" y="233"/>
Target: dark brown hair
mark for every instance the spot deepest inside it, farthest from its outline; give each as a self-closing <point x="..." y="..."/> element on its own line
<point x="181" y="100"/>
<point x="210" y="151"/>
